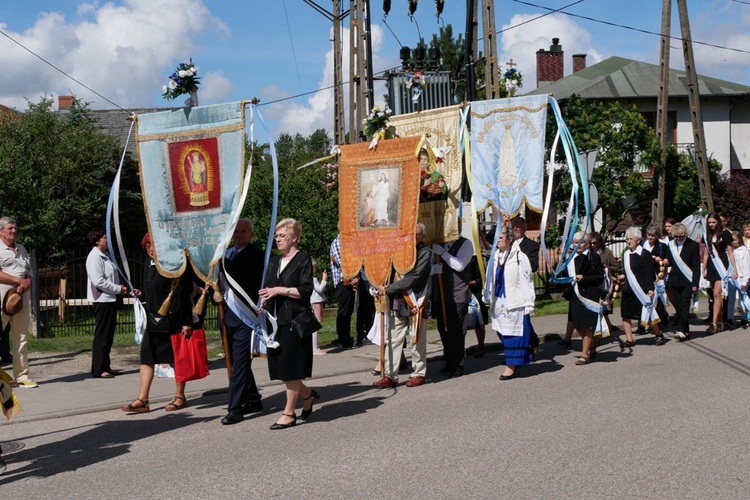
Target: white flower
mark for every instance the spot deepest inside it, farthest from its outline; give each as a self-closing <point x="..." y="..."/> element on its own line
<point x="388" y="111"/>
<point x="194" y="70"/>
<point x="172" y="84"/>
<point x="182" y="73"/>
<point x="163" y="88"/>
<point x="375" y="108"/>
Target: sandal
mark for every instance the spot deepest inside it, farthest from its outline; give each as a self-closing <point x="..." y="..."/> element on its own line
<point x="142" y="408"/>
<point x="582" y="361"/>
<point x="172" y="406"/>
<point x="627" y="343"/>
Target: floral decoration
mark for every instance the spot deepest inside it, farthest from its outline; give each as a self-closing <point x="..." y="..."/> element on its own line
<point x="376" y="125"/>
<point x="512" y="79"/>
<point x="184" y="80"/>
<point x="416" y="82"/>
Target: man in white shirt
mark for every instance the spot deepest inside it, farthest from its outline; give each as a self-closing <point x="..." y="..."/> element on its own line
<point x="15" y="272"/>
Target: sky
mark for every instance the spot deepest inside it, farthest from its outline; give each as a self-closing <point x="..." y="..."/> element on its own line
<point x="280" y="51"/>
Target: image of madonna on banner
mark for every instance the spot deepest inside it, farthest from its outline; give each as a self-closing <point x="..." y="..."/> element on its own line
<point x="440" y="169"/>
<point x="378" y="200"/>
<point x="191" y="165"/>
<point x="507" y="153"/>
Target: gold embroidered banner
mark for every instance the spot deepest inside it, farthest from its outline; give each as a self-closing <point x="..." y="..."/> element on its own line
<point x="440" y="179"/>
<point x="378" y="199"/>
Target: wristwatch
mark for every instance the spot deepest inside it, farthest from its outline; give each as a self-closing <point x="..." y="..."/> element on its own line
<point x="287" y="291"/>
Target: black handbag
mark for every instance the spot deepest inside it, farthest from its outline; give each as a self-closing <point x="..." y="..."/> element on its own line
<point x="305" y="324"/>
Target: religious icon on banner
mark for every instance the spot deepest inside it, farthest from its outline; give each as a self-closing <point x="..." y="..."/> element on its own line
<point x="432" y="184"/>
<point x="379" y="191"/>
<point x="194" y="166"/>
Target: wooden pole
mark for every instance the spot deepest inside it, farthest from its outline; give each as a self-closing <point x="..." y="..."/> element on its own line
<point x="662" y="112"/>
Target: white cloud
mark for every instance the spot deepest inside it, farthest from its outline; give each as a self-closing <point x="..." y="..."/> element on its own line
<point x="123" y="52"/>
<point x="215" y="87"/>
<point x="522" y="43"/>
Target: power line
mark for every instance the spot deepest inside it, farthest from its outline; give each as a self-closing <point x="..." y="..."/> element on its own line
<point x="631" y="28"/>
<point x="58" y="69"/>
<point x="291" y="42"/>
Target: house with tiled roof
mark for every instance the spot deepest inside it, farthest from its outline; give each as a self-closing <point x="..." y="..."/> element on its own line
<point x="725" y="105"/>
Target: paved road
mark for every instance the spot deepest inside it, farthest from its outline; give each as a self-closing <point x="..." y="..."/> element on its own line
<point x="657" y="422"/>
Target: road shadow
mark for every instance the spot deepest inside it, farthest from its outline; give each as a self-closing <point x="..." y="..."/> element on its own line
<point x="97" y="444"/>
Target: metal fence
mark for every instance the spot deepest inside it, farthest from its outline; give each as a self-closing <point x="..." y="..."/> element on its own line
<point x="59" y="304"/>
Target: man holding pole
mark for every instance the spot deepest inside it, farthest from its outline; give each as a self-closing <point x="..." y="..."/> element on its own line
<point x="406" y="301"/>
<point x="244" y="264"/>
<point x="450" y="300"/>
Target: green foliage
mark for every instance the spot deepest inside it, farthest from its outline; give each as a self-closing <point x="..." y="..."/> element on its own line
<point x="309" y="195"/>
<point x="56" y="170"/>
<point x="624" y="142"/>
<point x="682" y="194"/>
<point x="732" y="196"/>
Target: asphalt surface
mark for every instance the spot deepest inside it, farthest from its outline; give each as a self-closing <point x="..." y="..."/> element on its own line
<point x="648" y="422"/>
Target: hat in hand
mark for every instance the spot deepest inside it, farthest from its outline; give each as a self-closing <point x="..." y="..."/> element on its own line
<point x="12" y="302"/>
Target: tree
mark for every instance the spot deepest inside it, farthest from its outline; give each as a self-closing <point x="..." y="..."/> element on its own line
<point x="682" y="194"/>
<point x="625" y="143"/>
<point x="732" y="196"/>
<point x="56" y="171"/>
<point x="309" y="195"/>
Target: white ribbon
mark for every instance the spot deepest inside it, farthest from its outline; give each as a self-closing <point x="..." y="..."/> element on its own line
<point x="598" y="308"/>
<point x="648" y="312"/>
<point x="677" y="261"/>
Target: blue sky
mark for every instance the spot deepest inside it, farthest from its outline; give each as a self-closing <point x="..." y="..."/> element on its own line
<point x="274" y="49"/>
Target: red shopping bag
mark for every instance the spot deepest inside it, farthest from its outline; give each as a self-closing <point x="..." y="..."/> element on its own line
<point x="190" y="356"/>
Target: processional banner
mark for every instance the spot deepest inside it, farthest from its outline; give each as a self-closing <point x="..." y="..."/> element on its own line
<point x="507" y="153"/>
<point x="440" y="173"/>
<point x="378" y="199"/>
<point x="191" y="164"/>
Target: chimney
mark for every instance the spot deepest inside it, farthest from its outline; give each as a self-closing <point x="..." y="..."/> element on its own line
<point x="64" y="102"/>
<point x="579" y="62"/>
<point x="549" y="64"/>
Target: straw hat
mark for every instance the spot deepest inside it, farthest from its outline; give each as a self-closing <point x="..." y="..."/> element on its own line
<point x="12" y="302"/>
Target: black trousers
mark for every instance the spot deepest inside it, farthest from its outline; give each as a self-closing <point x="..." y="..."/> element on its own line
<point x="242" y="386"/>
<point x="105" y="321"/>
<point x="365" y="311"/>
<point x="5" y="342"/>
<point x="681" y="297"/>
<point x="345" y="296"/>
<point x="452" y="335"/>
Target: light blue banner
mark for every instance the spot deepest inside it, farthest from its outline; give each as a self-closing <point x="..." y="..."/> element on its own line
<point x="507" y="153"/>
<point x="191" y="163"/>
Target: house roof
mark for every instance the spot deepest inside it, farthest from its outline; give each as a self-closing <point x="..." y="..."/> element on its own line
<point x="6" y="113"/>
<point x="115" y="122"/>
<point x="619" y="78"/>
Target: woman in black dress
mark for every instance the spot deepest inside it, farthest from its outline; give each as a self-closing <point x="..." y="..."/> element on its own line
<point x="289" y="285"/>
<point x="588" y="275"/>
<point x="639" y="263"/>
<point x="156" y="346"/>
<point x="718" y="244"/>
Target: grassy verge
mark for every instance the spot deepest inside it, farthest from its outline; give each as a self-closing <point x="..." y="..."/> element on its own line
<point x="125" y="342"/>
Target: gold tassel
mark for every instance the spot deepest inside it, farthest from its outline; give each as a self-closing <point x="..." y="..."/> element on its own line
<point x="164" y="309"/>
<point x="201" y="304"/>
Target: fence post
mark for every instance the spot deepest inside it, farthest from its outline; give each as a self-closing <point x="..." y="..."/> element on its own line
<point x="62" y="300"/>
<point x="34" y="328"/>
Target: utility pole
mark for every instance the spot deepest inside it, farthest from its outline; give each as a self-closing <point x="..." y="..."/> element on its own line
<point x="491" y="74"/>
<point x="338" y="78"/>
<point x="662" y="112"/>
<point x="357" y="69"/>
<point x="471" y="44"/>
<point x="696" y="113"/>
<point x="704" y="180"/>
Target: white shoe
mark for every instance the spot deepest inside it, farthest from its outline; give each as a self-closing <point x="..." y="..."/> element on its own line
<point x="680" y="336"/>
<point x="28" y="384"/>
<point x="319" y="352"/>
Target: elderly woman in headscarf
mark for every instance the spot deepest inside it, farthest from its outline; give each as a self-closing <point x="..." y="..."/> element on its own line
<point x="512" y="301"/>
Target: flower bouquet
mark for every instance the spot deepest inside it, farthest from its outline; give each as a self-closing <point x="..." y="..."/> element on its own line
<point x="512" y="79"/>
<point x="376" y="125"/>
<point x="184" y="80"/>
<point x="416" y="82"/>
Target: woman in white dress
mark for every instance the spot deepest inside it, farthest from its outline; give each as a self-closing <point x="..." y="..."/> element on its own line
<point x="512" y="302"/>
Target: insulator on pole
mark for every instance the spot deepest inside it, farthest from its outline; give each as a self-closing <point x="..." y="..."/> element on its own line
<point x="386" y="6"/>
<point x="439" y="4"/>
<point x="412" y="7"/>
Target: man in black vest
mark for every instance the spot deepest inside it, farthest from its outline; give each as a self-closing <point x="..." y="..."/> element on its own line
<point x="244" y="263"/>
<point x="683" y="257"/>
<point x="451" y="315"/>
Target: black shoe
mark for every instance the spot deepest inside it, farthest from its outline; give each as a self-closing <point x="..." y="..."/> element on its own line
<point x="306" y="413"/>
<point x="444" y="369"/>
<point x="729" y="325"/>
<point x="233" y="417"/>
<point x="278" y="426"/>
<point x="508" y="377"/>
<point x="251" y="407"/>
<point x="565" y="343"/>
<point x="345" y="347"/>
<point x="458" y="372"/>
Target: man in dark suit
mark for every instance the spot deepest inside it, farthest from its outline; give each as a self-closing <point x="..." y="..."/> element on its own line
<point x="683" y="255"/>
<point x="244" y="263"/>
<point x="529" y="247"/>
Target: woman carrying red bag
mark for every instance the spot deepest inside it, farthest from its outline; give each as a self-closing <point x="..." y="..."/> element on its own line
<point x="156" y="347"/>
